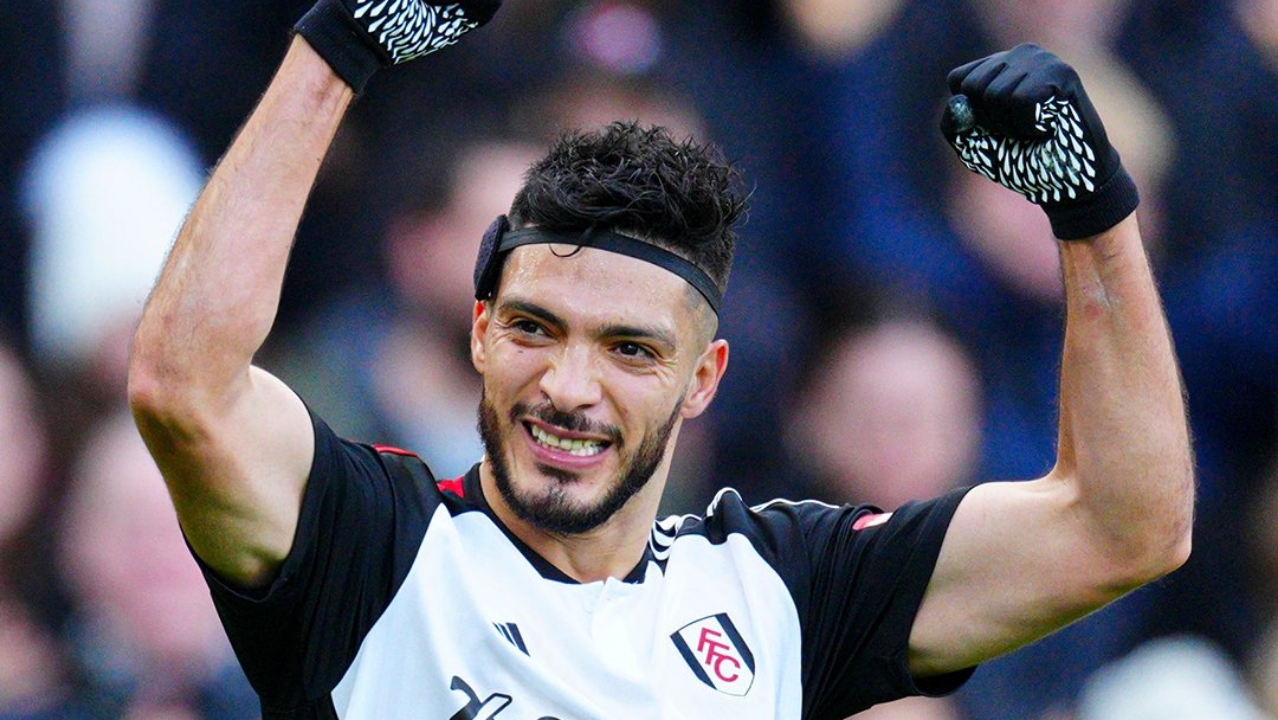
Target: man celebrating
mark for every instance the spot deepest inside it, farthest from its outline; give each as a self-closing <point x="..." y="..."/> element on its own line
<point x="540" y="584"/>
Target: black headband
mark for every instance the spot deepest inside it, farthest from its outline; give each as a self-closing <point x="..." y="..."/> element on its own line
<point x="499" y="239"/>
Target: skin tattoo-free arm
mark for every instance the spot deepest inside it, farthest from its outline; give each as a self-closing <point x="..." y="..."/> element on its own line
<point x="233" y="442"/>
<point x="1023" y="559"/>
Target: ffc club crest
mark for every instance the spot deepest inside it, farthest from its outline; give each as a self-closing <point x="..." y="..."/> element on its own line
<point x="717" y="654"/>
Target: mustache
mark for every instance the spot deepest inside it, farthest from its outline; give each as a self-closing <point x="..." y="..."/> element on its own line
<point x="573" y="421"/>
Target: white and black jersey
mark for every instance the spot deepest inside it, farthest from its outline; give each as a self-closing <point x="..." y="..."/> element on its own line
<point x="405" y="598"/>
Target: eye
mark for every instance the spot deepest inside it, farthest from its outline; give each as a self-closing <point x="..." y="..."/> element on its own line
<point x="634" y="350"/>
<point x="526" y="326"/>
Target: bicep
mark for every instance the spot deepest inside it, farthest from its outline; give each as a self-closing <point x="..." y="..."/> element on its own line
<point x="1017" y="563"/>
<point x="236" y="467"/>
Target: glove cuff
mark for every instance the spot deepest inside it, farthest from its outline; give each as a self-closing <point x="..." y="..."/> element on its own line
<point x="1111" y="202"/>
<point x="342" y="42"/>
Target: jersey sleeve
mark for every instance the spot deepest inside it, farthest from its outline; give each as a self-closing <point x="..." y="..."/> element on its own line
<point x="361" y="524"/>
<point x="857" y="577"/>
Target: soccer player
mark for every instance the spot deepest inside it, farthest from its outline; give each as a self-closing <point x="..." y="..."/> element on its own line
<point x="354" y="584"/>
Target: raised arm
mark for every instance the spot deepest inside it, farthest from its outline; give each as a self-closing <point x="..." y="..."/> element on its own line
<point x="234" y="444"/>
<point x="1023" y="559"/>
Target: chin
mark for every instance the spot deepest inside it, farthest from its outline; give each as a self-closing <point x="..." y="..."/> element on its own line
<point x="562" y="501"/>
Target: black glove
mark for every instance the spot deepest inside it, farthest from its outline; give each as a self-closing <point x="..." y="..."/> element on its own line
<point x="1022" y="119"/>
<point x="357" y="37"/>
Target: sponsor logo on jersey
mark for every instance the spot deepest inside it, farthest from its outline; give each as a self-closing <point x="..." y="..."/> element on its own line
<point x="475" y="708"/>
<point x="717" y="654"/>
<point x="487" y="708"/>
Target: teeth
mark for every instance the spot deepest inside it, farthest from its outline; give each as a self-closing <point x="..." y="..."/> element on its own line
<point x="580" y="448"/>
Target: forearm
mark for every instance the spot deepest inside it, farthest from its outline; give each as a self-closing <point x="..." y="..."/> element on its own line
<point x="217" y="296"/>
<point x="1124" y="440"/>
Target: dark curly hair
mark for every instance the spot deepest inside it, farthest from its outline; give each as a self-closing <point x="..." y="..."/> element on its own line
<point x="639" y="181"/>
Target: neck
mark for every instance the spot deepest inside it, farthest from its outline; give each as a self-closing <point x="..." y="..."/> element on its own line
<point x="611" y="550"/>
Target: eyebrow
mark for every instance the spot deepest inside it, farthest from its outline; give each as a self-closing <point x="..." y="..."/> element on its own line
<point x="530" y="308"/>
<point x="638" y="332"/>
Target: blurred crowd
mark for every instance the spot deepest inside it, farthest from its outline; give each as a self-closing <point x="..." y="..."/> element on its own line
<point x="895" y="321"/>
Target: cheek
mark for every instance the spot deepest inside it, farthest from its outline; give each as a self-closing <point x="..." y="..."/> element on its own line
<point x="649" y="408"/>
<point x="507" y="367"/>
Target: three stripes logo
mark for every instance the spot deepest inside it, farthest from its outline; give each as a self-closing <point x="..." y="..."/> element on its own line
<point x="717" y="654"/>
<point x="510" y="631"/>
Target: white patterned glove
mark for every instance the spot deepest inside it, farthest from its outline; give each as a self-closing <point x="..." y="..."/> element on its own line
<point x="1022" y="119"/>
<point x="356" y="37"/>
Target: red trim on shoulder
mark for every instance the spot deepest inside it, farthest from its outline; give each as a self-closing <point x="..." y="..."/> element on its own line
<point x="869" y="521"/>
<point x="453" y="486"/>
<point x="394" y="450"/>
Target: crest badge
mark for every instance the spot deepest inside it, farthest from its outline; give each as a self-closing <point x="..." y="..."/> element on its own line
<point x="717" y="654"/>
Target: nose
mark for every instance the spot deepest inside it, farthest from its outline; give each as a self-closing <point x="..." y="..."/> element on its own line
<point x="572" y="379"/>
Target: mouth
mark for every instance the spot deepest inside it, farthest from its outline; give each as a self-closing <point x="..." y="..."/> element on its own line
<point x="554" y="444"/>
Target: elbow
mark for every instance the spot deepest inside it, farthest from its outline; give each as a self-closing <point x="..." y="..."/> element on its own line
<point x="168" y="415"/>
<point x="161" y="393"/>
<point x="1138" y="539"/>
<point x="1156" y="550"/>
<point x="1128" y="570"/>
<point x="152" y="407"/>
<point x="1176" y="533"/>
<point x="1180" y="554"/>
<point x="153" y="402"/>
<point x="1167" y="556"/>
<point x="143" y="384"/>
<point x="148" y="390"/>
<point x="1179" y="547"/>
<point x="180" y="398"/>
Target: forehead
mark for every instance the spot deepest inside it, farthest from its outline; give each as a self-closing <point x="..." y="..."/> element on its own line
<point x="592" y="283"/>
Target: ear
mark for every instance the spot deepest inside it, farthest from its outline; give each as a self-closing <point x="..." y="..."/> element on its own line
<point x="705" y="380"/>
<point x="478" y="332"/>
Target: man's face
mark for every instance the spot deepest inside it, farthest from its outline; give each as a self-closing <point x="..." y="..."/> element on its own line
<point x="590" y="361"/>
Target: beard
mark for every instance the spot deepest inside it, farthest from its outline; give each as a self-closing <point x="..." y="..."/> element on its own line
<point x="553" y="510"/>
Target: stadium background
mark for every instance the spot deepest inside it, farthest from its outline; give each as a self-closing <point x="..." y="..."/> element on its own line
<point x="894" y="324"/>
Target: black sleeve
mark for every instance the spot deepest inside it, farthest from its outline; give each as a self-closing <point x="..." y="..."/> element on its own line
<point x="361" y="523"/>
<point x="857" y="586"/>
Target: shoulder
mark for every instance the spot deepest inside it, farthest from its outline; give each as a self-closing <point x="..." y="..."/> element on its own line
<point x="781" y="528"/>
<point x="775" y="528"/>
<point x="730" y="513"/>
